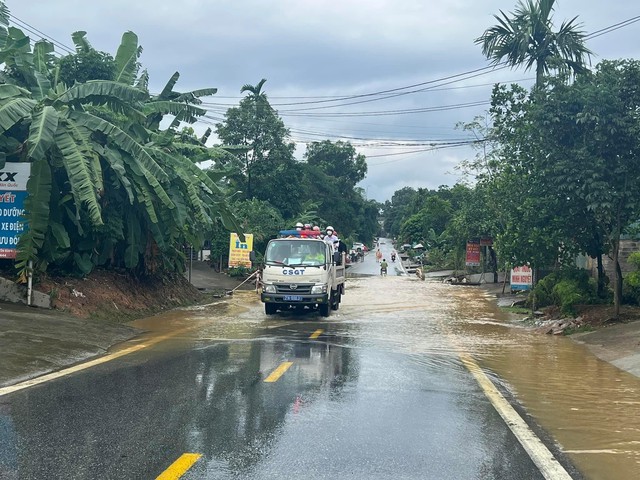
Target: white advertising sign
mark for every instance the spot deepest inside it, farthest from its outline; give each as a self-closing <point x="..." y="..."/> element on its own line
<point x="521" y="278"/>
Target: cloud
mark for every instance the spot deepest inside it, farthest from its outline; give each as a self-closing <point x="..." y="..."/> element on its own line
<point x="315" y="50"/>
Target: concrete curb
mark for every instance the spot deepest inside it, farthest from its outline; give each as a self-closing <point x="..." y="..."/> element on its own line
<point x="15" y="293"/>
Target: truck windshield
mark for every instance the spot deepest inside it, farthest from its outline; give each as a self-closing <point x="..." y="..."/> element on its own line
<point x="295" y="253"/>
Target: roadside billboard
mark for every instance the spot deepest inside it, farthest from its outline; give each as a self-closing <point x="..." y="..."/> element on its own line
<point x="13" y="191"/>
<point x="239" y="251"/>
<point x="521" y="278"/>
<point x="473" y="254"/>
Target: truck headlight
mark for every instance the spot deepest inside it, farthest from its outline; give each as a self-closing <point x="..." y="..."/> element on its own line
<point x="316" y="289"/>
<point x="269" y="289"/>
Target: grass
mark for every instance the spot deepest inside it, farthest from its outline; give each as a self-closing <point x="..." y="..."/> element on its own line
<point x="518" y="310"/>
<point x="583" y="328"/>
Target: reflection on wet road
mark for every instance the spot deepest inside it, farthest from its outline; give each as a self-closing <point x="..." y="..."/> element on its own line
<point x="377" y="390"/>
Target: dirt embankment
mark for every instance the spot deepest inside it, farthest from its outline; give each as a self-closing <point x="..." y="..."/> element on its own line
<point x="108" y="294"/>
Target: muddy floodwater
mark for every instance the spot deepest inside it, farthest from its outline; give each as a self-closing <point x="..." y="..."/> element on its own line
<point x="590" y="408"/>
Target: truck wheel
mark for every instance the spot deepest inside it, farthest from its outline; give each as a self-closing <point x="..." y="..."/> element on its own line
<point x="335" y="300"/>
<point x="324" y="309"/>
<point x="270" y="308"/>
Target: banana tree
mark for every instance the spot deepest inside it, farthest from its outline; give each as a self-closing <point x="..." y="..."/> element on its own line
<point x="101" y="192"/>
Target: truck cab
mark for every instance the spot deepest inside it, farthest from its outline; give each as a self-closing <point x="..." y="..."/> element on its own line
<point x="302" y="272"/>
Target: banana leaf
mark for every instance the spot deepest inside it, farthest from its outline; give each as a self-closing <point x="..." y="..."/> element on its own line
<point x="7" y="91"/>
<point x="41" y="132"/>
<point x="42" y="56"/>
<point x="79" y="175"/>
<point x="42" y="86"/>
<point x="15" y="110"/>
<point x="167" y="91"/>
<point x="127" y="59"/>
<point x="145" y="162"/>
<point x="98" y="91"/>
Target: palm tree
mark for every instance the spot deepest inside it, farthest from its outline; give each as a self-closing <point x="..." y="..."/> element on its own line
<point x="527" y="38"/>
<point x="260" y="104"/>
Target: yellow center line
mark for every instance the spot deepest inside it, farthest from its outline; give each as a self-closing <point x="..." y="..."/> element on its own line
<point x="179" y="467"/>
<point x="317" y="333"/>
<point x="278" y="372"/>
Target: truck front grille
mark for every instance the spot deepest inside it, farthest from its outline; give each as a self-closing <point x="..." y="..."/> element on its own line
<point x="301" y="289"/>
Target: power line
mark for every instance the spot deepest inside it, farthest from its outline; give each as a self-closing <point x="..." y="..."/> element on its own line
<point x="381" y="113"/>
<point x="410" y="152"/>
<point x="41" y="35"/>
<point x="613" y="28"/>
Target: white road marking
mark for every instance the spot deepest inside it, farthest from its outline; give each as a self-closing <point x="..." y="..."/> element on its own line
<point x="539" y="453"/>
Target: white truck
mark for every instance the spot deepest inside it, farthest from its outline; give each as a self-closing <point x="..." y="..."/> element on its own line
<point x="302" y="273"/>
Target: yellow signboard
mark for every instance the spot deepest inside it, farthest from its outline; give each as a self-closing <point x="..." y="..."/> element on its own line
<point x="239" y="251"/>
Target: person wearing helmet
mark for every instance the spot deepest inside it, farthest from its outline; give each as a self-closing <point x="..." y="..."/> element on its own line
<point x="383" y="266"/>
<point x="330" y="237"/>
<point x="299" y="226"/>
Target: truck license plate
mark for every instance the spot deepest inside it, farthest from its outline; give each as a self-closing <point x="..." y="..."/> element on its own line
<point x="293" y="298"/>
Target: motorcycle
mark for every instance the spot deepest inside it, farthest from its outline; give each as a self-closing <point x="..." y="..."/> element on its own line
<point x="393" y="257"/>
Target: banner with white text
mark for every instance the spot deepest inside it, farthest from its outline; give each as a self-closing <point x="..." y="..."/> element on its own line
<point x="13" y="191"/>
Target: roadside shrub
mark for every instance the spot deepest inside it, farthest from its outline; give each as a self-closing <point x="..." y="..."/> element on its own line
<point x="568" y="294"/>
<point x="565" y="289"/>
<point x="239" y="271"/>
<point x="631" y="282"/>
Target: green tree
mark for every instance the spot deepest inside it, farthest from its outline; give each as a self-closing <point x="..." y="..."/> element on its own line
<point x="100" y="191"/>
<point x="398" y="209"/>
<point x="86" y="64"/>
<point x="590" y="131"/>
<point x="331" y="172"/>
<point x="255" y="125"/>
<point x="338" y="160"/>
<point x="527" y="38"/>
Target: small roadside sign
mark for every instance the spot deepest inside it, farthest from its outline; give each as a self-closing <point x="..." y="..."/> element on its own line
<point x="473" y="254"/>
<point x="521" y="278"/>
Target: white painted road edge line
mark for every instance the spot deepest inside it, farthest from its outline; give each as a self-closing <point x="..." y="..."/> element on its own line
<point x="67" y="371"/>
<point x="539" y="453"/>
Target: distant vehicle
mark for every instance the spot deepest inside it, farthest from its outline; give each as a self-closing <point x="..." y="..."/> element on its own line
<point x="405" y="247"/>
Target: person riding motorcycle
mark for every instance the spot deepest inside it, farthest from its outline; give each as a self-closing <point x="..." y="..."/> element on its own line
<point x="393" y="257"/>
<point x="383" y="267"/>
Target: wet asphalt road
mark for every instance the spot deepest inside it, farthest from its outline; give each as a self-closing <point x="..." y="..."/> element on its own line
<point x="374" y="391"/>
<point x="339" y="412"/>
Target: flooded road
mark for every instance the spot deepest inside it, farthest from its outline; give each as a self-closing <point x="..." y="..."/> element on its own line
<point x="377" y="390"/>
<point x="589" y="406"/>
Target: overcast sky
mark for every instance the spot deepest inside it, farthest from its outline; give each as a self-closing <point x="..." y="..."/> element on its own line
<point x="312" y="51"/>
